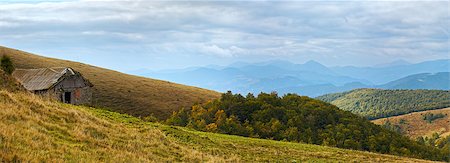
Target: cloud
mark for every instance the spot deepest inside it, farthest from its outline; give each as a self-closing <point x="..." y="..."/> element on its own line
<point x="352" y="32"/>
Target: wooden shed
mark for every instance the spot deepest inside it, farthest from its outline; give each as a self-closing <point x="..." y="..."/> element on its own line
<point x="61" y="83"/>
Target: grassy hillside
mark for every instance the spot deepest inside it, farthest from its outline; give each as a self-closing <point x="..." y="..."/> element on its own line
<point x="413" y="124"/>
<point x="39" y="130"/>
<point x="377" y="103"/>
<point x="7" y="82"/>
<point x="123" y="93"/>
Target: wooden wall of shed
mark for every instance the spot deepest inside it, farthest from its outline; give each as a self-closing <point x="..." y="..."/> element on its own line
<point x="81" y="93"/>
<point x="72" y="81"/>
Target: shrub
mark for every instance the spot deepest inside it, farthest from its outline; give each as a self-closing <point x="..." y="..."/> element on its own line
<point x="7" y="64"/>
<point x="430" y="117"/>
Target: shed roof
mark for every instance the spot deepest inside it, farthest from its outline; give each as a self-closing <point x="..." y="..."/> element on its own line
<point x="41" y="79"/>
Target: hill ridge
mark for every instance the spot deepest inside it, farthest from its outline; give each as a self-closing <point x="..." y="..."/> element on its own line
<point x="380" y="103"/>
<point x="124" y="93"/>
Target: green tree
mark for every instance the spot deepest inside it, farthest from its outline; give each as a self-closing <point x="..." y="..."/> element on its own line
<point x="180" y="118"/>
<point x="291" y="134"/>
<point x="7" y="64"/>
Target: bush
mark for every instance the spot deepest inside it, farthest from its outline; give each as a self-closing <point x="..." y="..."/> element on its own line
<point x="7" y="64"/>
<point x="430" y="117"/>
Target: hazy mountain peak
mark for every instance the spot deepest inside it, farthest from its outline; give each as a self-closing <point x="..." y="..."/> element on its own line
<point x="315" y="66"/>
<point x="312" y="62"/>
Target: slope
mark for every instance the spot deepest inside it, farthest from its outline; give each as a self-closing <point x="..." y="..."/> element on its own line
<point x="297" y="119"/>
<point x="38" y="130"/>
<point x="378" y="103"/>
<point x="413" y="124"/>
<point x="7" y="82"/>
<point x="123" y="93"/>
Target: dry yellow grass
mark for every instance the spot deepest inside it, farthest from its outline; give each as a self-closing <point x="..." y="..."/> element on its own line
<point x="121" y="92"/>
<point x="9" y="83"/>
<point x="415" y="126"/>
<point x="36" y="130"/>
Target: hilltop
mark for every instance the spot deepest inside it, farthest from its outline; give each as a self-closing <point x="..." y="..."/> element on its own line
<point x="413" y="124"/>
<point x="378" y="103"/>
<point x="137" y="96"/>
<point x="38" y="130"/>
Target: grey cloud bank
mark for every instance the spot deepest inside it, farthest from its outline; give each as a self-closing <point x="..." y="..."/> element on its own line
<point x="127" y="35"/>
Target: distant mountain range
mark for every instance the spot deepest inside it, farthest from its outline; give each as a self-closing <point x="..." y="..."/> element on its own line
<point x="381" y="75"/>
<point x="310" y="78"/>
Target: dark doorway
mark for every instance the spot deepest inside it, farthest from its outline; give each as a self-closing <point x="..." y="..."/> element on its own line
<point x="67" y="97"/>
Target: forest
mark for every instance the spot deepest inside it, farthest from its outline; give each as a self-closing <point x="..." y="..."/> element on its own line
<point x="298" y="119"/>
<point x="378" y="103"/>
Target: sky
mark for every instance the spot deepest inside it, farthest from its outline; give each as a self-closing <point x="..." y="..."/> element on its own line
<point x="155" y="35"/>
